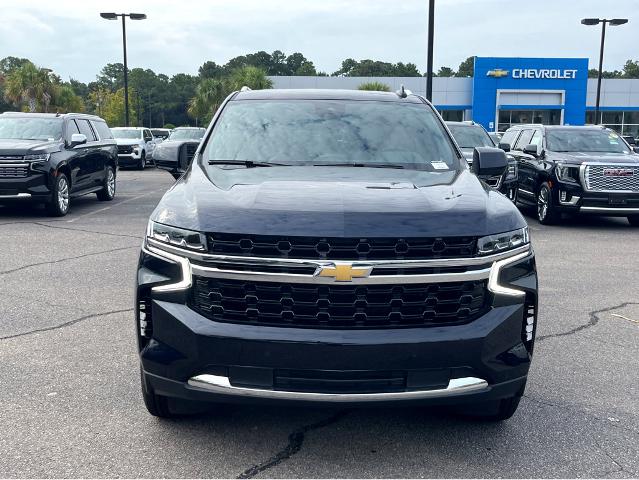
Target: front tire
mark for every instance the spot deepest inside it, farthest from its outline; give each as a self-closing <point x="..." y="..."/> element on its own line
<point x="157" y="405"/>
<point x="633" y="220"/>
<point x="108" y="190"/>
<point x="142" y="162"/>
<point x="547" y="213"/>
<point x="60" y="199"/>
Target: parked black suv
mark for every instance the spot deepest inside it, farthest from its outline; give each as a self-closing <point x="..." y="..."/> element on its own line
<point x="333" y="246"/>
<point x="470" y="135"/>
<point x="51" y="158"/>
<point x="573" y="169"/>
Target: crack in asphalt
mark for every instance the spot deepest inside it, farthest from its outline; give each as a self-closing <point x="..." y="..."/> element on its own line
<point x="50" y="262"/>
<point x="620" y="467"/>
<point x="66" y="324"/>
<point x="58" y="227"/>
<point x="594" y="319"/>
<point x="295" y="441"/>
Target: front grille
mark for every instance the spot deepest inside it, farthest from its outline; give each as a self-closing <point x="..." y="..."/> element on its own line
<point x="14" y="171"/>
<point x="612" y="178"/>
<point x="341" y="248"/>
<point x="338" y="306"/>
<point x="125" y="149"/>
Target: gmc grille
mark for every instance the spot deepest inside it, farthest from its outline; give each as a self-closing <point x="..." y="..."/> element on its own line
<point x="341" y="248"/>
<point x="601" y="178"/>
<point x="338" y="306"/>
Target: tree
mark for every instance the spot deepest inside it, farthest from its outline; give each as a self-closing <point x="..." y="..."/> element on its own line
<point x="593" y="73"/>
<point x="113" y="107"/>
<point x="376" y="68"/>
<point x="29" y="87"/>
<point x="111" y="76"/>
<point x="466" y="68"/>
<point x="9" y="64"/>
<point x="65" y="100"/>
<point x="297" y="64"/>
<point x="252" y="77"/>
<point x="631" y="69"/>
<point x="374" y="86"/>
<point x="210" y="69"/>
<point x="210" y="93"/>
<point x="406" y="70"/>
<point x="445" y="72"/>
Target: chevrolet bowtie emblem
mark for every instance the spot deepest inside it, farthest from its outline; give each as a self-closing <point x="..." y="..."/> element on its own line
<point x="497" y="73"/>
<point x="343" y="272"/>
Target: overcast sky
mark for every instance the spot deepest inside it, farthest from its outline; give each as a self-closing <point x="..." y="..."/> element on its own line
<point x="69" y="37"/>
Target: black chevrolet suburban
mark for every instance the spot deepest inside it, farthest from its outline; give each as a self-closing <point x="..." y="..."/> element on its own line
<point x="570" y="169"/>
<point x="331" y="246"/>
<point x="51" y="158"/>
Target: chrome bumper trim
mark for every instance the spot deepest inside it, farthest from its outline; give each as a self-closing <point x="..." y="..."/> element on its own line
<point x="610" y="210"/>
<point x="17" y="195"/>
<point x="222" y="385"/>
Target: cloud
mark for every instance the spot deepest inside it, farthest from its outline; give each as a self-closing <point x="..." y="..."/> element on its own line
<point x="70" y="37"/>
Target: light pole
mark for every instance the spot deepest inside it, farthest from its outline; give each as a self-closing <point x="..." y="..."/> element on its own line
<point x="132" y="16"/>
<point x="613" y="23"/>
<point x="429" y="62"/>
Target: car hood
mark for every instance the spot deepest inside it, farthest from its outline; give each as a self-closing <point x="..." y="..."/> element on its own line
<point x="27" y="147"/>
<point x="577" y="158"/>
<point x="127" y="141"/>
<point x="336" y="202"/>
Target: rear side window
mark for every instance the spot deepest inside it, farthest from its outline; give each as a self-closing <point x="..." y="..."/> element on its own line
<point x="510" y="137"/>
<point x="524" y="139"/>
<point x="536" y="138"/>
<point x="86" y="129"/>
<point x="103" y="131"/>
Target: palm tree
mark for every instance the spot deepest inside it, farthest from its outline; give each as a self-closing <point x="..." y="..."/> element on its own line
<point x="253" y="77"/>
<point x="209" y="95"/>
<point x="31" y="85"/>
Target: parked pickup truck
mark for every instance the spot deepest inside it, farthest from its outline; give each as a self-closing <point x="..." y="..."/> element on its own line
<point x="331" y="246"/>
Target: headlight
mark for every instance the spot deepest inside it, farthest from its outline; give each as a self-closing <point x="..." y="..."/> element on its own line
<point x="511" y="171"/>
<point x="499" y="242"/>
<point x="38" y="157"/>
<point x="177" y="237"/>
<point x="567" y="173"/>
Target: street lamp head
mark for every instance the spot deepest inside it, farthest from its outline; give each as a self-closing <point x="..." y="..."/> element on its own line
<point x="618" y="21"/>
<point x="137" y="16"/>
<point x="590" y="21"/>
<point x="109" y="15"/>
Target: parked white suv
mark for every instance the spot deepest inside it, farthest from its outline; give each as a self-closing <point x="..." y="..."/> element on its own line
<point x="135" y="146"/>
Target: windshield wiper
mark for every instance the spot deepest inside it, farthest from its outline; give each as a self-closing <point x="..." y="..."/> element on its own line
<point x="246" y="163"/>
<point x="361" y="165"/>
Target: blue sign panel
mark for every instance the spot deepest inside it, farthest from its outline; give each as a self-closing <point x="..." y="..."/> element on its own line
<point x="562" y="80"/>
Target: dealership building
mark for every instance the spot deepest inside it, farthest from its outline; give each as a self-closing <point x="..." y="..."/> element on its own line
<point x="508" y="91"/>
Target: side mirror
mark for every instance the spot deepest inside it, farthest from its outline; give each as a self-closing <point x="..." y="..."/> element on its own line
<point x="78" y="139"/>
<point x="635" y="149"/>
<point x="504" y="146"/>
<point x="531" y="149"/>
<point x="489" y="162"/>
<point x="183" y="159"/>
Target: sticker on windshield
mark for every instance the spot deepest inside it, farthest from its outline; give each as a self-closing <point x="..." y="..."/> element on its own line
<point x="613" y="135"/>
<point x="440" y="165"/>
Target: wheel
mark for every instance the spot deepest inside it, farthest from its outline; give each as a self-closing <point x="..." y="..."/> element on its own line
<point x="157" y="405"/>
<point x="547" y="214"/>
<point x="59" y="204"/>
<point x="108" y="190"/>
<point x="634" y="220"/>
<point x="142" y="162"/>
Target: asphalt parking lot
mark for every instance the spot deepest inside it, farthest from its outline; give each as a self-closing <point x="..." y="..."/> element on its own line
<point x="70" y="398"/>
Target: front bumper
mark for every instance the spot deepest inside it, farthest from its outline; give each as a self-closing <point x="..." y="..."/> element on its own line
<point x="34" y="187"/>
<point x="187" y="355"/>
<point x="572" y="198"/>
<point x="129" y="159"/>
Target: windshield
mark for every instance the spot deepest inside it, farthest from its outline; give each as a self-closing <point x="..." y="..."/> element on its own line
<point x="31" y="128"/>
<point x="126" y="133"/>
<point x="332" y="132"/>
<point x="590" y="140"/>
<point x="160" y="133"/>
<point x="468" y="136"/>
<point x="187" y="134"/>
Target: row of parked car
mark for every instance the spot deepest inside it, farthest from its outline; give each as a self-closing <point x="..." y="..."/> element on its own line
<point x="563" y="169"/>
<point x="52" y="158"/>
<point x="557" y="169"/>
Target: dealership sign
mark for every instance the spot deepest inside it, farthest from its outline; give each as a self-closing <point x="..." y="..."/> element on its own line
<point x="550" y="73"/>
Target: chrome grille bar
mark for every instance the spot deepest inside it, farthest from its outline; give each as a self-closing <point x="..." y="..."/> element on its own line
<point x="594" y="179"/>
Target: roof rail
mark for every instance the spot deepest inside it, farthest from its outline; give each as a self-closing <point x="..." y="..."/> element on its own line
<point x="403" y="92"/>
<point x="245" y="89"/>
